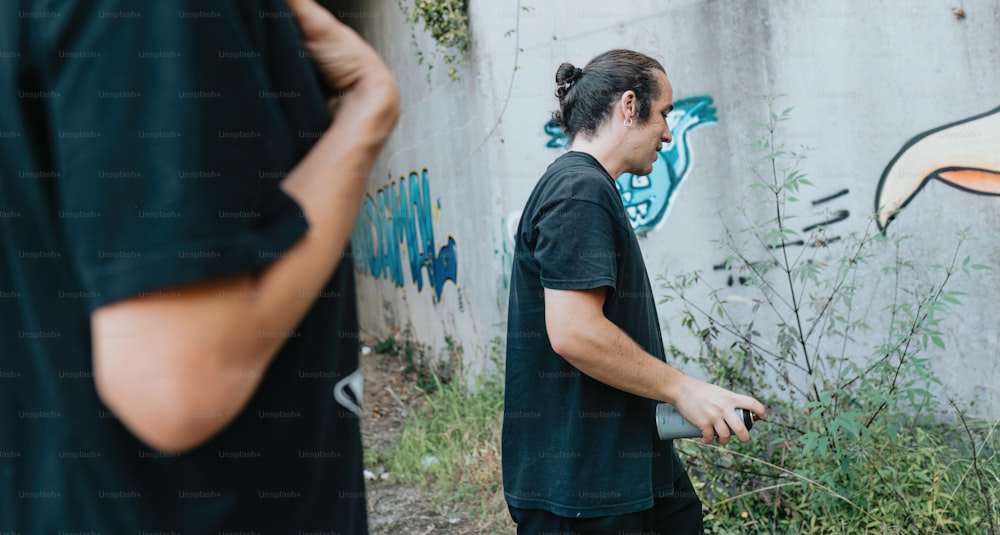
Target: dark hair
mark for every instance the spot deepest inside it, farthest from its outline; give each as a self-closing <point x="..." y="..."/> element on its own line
<point x="587" y="96"/>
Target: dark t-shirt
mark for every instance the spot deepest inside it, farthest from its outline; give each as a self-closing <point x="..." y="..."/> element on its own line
<point x="142" y="145"/>
<point x="572" y="445"/>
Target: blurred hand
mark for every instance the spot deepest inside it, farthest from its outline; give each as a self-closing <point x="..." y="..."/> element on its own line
<point x="713" y="410"/>
<point x="349" y="63"/>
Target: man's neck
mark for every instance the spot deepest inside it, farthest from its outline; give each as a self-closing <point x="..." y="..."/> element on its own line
<point x="603" y="150"/>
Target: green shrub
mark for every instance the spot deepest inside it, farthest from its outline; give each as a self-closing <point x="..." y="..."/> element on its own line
<point x="855" y="441"/>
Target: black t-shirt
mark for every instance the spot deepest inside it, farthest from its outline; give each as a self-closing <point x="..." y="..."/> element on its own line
<point x="572" y="445"/>
<point x="142" y="146"/>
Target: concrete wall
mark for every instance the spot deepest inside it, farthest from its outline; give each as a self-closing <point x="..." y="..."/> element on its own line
<point x="867" y="81"/>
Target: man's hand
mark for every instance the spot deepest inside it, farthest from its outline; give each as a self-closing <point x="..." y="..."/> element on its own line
<point x="347" y="61"/>
<point x="713" y="410"/>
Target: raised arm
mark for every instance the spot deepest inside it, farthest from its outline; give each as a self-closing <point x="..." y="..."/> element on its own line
<point x="177" y="367"/>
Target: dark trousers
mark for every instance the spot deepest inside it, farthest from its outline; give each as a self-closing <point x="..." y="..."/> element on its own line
<point x="679" y="513"/>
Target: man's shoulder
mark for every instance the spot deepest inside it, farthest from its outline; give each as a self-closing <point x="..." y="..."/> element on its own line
<point x="576" y="176"/>
<point x="578" y="166"/>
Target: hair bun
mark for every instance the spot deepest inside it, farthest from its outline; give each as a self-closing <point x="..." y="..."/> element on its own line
<point x="566" y="75"/>
<point x="564" y="72"/>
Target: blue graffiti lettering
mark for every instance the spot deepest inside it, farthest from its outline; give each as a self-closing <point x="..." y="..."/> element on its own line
<point x="401" y="216"/>
<point x="647" y="198"/>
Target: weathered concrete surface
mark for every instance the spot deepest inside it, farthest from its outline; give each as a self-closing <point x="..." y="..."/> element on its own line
<point x="866" y="80"/>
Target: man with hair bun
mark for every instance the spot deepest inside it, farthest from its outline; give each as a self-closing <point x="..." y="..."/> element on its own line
<point x="580" y="449"/>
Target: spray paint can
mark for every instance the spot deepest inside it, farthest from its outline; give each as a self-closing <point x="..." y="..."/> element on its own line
<point x="670" y="424"/>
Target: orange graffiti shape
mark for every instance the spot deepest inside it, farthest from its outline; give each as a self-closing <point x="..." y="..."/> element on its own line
<point x="964" y="154"/>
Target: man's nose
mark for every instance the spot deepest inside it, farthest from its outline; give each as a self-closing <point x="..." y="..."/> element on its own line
<point x="667" y="137"/>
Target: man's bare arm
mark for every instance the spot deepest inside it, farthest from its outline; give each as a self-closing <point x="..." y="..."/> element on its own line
<point x="179" y="366"/>
<point x="580" y="332"/>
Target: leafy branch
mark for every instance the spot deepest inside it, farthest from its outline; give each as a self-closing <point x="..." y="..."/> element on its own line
<point x="447" y="21"/>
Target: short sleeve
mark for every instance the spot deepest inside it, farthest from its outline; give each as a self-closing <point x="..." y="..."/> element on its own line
<point x="575" y="246"/>
<point x="173" y="125"/>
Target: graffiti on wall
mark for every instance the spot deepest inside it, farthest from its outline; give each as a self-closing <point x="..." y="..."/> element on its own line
<point x="828" y="211"/>
<point x="399" y="219"/>
<point x="964" y="154"/>
<point x="506" y="253"/>
<point x="647" y="198"/>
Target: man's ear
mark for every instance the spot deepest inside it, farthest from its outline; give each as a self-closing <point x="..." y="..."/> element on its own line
<point x="627" y="103"/>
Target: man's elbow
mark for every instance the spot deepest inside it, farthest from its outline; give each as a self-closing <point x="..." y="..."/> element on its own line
<point x="160" y="414"/>
<point x="393" y="104"/>
<point x="565" y="340"/>
<point x="558" y="342"/>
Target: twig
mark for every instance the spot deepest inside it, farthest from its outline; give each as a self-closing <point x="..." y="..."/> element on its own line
<point x="392" y="393"/>
<point x="799" y="476"/>
<point x="510" y="88"/>
<point x="755" y="491"/>
<point x="742" y="337"/>
<point x="917" y="324"/>
<point x="961" y="480"/>
<point x="975" y="467"/>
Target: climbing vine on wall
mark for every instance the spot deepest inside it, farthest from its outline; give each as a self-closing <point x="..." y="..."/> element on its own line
<point x="448" y="23"/>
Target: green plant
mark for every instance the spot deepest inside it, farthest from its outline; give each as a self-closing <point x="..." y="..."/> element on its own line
<point x="413" y="364"/>
<point x="447" y="21"/>
<point x="855" y="442"/>
<point x="451" y="445"/>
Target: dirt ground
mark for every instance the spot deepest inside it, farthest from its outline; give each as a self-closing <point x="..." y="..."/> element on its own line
<point x="393" y="507"/>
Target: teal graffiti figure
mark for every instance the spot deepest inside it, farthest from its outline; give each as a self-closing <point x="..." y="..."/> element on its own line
<point x="647" y="198"/>
<point x="557" y="139"/>
<point x="401" y="214"/>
